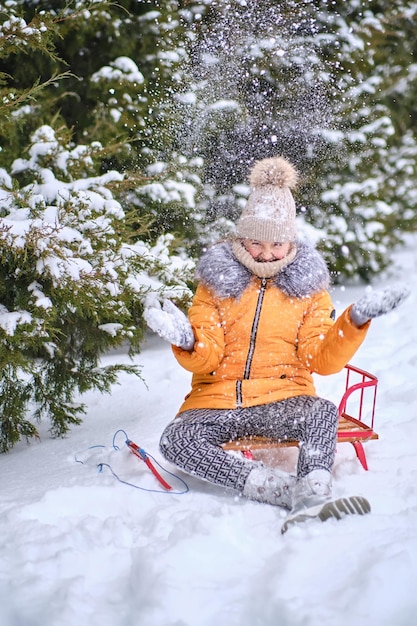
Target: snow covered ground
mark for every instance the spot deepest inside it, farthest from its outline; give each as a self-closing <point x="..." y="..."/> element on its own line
<point x="79" y="547"/>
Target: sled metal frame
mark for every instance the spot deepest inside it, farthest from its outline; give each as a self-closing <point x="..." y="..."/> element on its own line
<point x="351" y="429"/>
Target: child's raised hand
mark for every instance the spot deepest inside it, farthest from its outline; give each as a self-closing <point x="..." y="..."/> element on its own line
<point x="170" y="323"/>
<point x="378" y="303"/>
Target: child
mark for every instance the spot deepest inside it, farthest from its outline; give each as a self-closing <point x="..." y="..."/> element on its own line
<point x="261" y="323"/>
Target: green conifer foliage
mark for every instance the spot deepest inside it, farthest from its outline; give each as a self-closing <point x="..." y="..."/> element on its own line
<point x="75" y="268"/>
<point x="368" y="205"/>
<point x="71" y="285"/>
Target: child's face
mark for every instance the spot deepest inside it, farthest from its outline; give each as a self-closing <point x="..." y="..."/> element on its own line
<point x="265" y="251"/>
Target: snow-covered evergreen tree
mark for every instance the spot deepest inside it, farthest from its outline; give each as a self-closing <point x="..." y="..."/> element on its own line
<point x="366" y="202"/>
<point x="72" y="286"/>
<point x="76" y="266"/>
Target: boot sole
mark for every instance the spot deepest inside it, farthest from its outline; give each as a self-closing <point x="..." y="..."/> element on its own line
<point x="333" y="509"/>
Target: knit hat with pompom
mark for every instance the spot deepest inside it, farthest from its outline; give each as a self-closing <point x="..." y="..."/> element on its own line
<point x="269" y="214"/>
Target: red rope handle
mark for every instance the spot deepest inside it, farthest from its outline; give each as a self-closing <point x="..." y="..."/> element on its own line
<point x="141" y="454"/>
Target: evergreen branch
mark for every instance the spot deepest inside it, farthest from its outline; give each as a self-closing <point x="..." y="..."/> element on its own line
<point x="12" y="100"/>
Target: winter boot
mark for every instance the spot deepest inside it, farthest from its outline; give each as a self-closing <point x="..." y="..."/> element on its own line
<point x="312" y="500"/>
<point x="271" y="486"/>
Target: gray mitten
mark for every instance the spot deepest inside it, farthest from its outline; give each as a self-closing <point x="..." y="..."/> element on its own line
<point x="378" y="303"/>
<point x="170" y="324"/>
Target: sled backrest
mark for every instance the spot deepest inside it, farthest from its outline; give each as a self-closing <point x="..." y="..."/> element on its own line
<point x="359" y="399"/>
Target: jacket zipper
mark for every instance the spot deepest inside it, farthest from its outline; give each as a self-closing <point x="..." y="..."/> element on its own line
<point x="252" y="342"/>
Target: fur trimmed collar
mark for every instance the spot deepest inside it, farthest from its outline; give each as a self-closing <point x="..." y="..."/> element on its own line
<point x="221" y="272"/>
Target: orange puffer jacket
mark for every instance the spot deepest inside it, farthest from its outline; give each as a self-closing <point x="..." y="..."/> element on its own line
<point x="257" y="340"/>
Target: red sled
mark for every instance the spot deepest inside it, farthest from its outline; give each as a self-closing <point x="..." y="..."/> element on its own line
<point x="359" y="397"/>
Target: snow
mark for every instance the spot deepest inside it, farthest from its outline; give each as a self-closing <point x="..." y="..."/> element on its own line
<point x="170" y="191"/>
<point x="121" y="69"/>
<point x="80" y="547"/>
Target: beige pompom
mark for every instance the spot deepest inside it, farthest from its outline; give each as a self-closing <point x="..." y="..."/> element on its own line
<point x="275" y="171"/>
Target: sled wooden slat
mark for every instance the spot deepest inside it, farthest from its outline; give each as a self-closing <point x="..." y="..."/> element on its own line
<point x="350" y="429"/>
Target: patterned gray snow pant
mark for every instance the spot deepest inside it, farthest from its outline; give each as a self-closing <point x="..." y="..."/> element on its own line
<point x="192" y="441"/>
